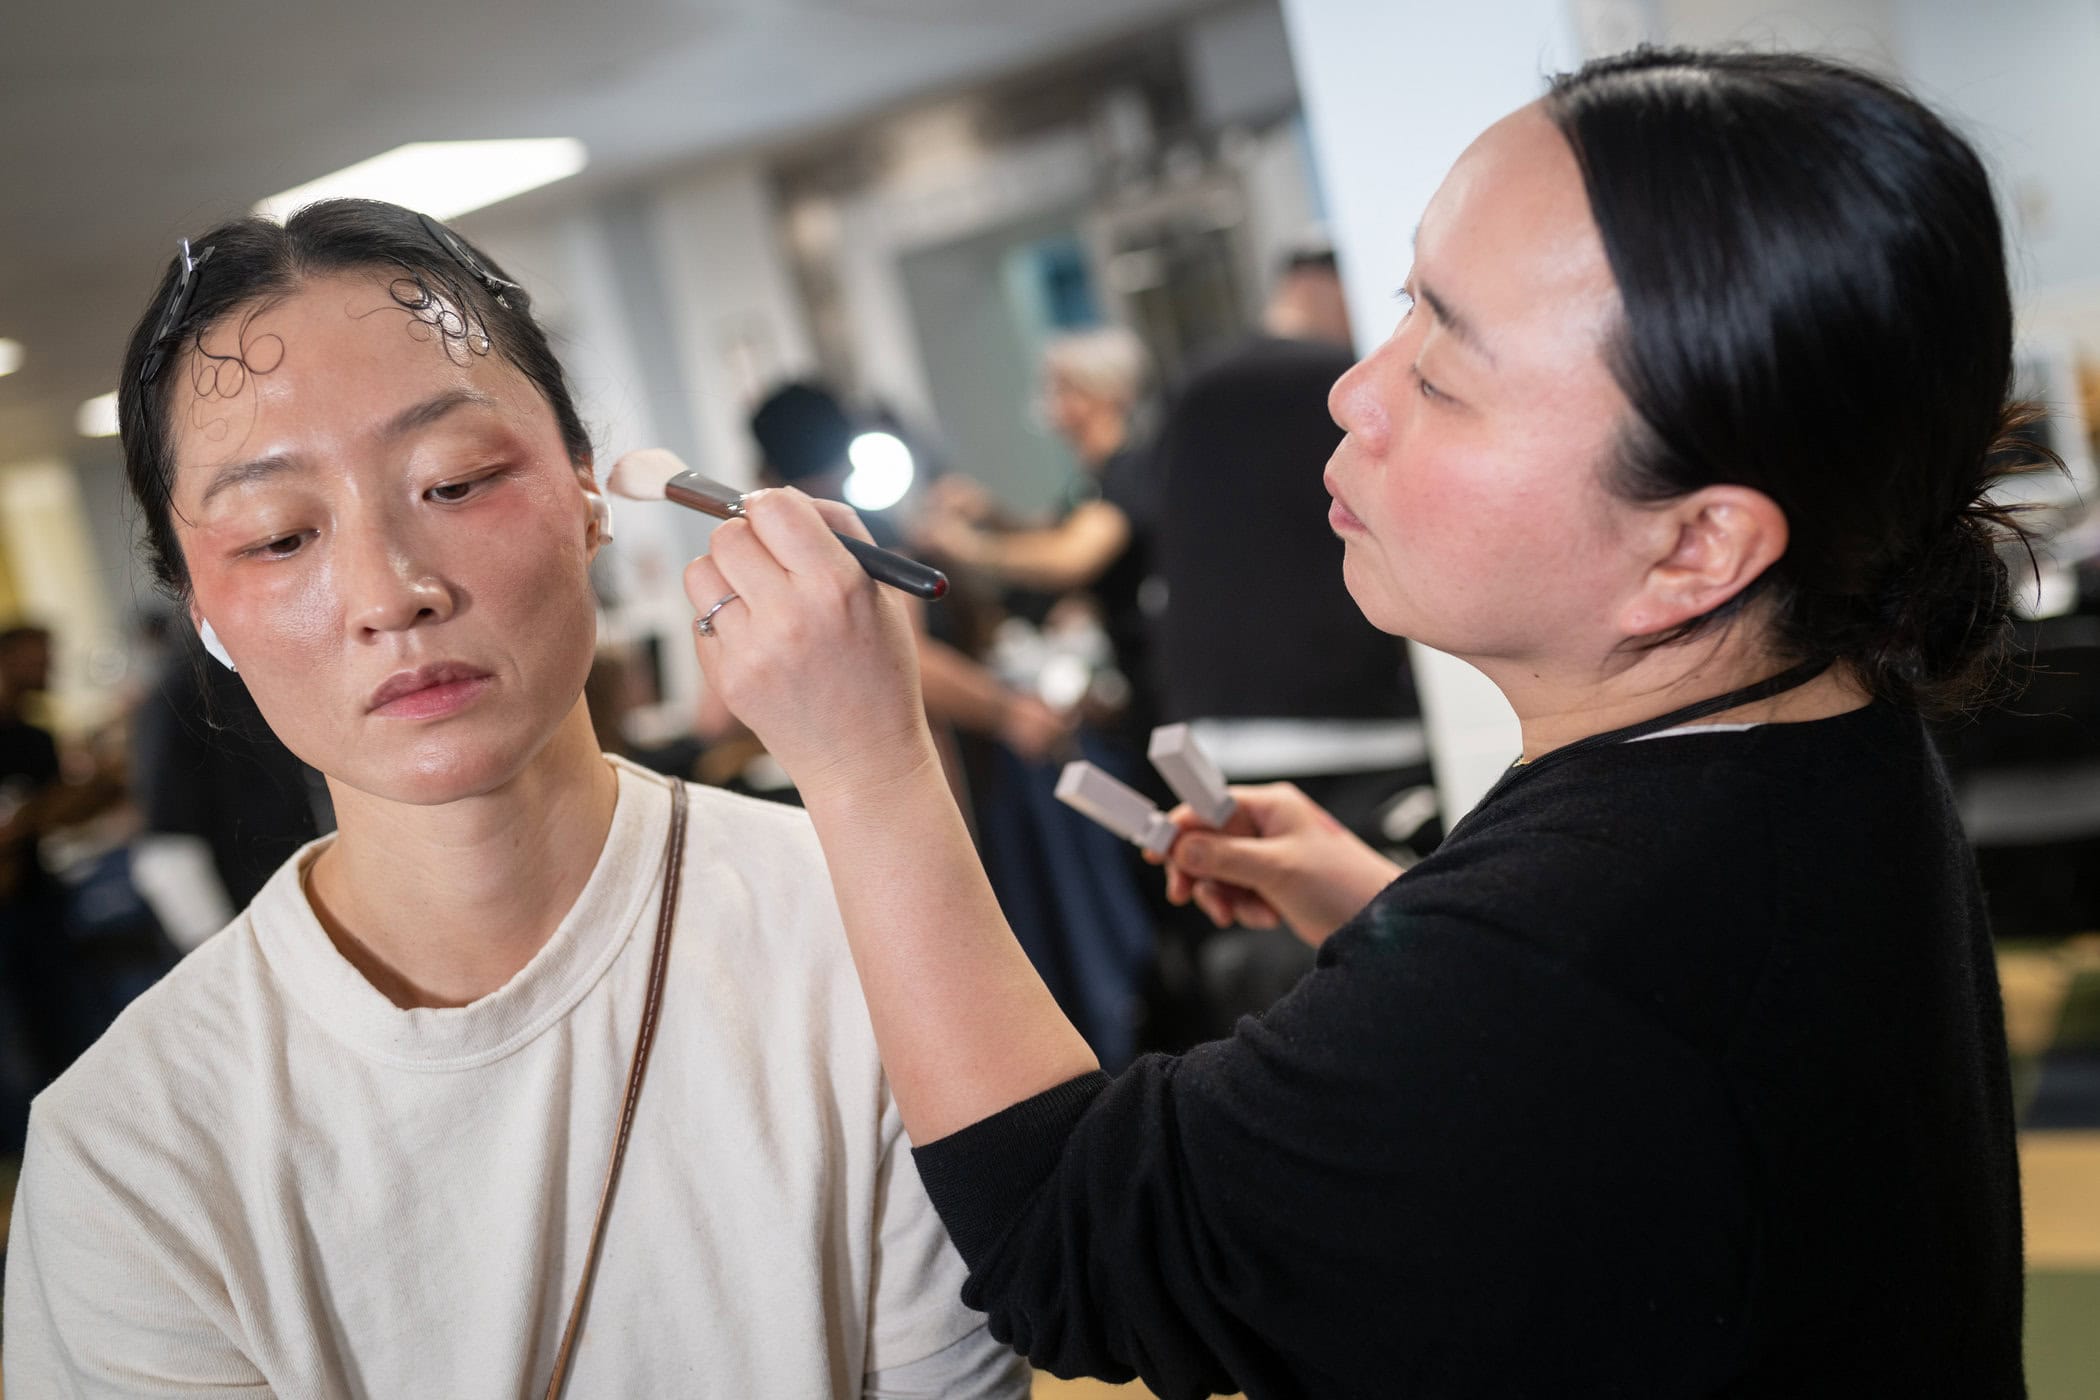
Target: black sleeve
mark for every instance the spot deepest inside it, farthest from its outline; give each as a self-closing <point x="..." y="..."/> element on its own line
<point x="1438" y="1161"/>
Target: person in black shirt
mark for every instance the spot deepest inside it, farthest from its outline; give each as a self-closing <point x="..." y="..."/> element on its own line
<point x="1258" y="624"/>
<point x="1101" y="546"/>
<point x="1678" y="1069"/>
<point x="34" y="1044"/>
<point x="223" y="802"/>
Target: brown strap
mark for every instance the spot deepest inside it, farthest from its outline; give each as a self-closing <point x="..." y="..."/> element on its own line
<point x="674" y="864"/>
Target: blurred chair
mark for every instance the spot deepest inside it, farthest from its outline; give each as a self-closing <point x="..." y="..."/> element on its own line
<point x="2027" y="776"/>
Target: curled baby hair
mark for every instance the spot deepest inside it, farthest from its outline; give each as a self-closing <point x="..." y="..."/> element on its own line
<point x="450" y="290"/>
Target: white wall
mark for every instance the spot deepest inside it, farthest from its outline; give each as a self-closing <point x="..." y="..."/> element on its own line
<point x="955" y="191"/>
<point x="59" y="584"/>
<point x="1393" y="92"/>
<point x="2023" y="80"/>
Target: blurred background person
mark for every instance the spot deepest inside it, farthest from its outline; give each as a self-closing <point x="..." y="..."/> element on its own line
<point x="223" y="801"/>
<point x="1071" y="889"/>
<point x="1098" y="552"/>
<point x="49" y="953"/>
<point x="1260" y="648"/>
<point x="804" y="435"/>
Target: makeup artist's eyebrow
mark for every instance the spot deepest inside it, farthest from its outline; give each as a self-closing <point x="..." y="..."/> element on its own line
<point x="1453" y="320"/>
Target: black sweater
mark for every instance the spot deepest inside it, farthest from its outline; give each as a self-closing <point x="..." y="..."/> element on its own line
<point x="1678" y="1070"/>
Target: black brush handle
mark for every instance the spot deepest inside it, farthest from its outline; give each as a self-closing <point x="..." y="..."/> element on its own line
<point x="887" y="566"/>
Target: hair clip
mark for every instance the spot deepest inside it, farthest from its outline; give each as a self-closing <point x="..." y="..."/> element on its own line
<point x="178" y="307"/>
<point x="452" y="243"/>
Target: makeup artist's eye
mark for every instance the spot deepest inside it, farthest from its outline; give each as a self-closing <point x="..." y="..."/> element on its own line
<point x="1424" y="387"/>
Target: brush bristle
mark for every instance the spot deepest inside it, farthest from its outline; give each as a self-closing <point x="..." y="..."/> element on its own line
<point x="642" y="474"/>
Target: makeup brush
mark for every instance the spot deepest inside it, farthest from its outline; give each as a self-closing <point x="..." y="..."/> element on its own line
<point x="653" y="474"/>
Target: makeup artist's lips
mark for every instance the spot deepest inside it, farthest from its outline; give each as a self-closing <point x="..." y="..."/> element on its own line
<point x="429" y="692"/>
<point x="1340" y="518"/>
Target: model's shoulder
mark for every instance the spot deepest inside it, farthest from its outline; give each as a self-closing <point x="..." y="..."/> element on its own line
<point x="173" y="1060"/>
<point x="764" y="839"/>
<point x="737" y="810"/>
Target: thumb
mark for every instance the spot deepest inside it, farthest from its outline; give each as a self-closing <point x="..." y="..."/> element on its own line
<point x="1236" y="860"/>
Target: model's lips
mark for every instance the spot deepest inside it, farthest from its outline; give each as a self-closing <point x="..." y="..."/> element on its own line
<point x="429" y="691"/>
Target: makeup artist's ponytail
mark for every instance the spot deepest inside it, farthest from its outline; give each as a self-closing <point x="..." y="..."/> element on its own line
<point x="1816" y="306"/>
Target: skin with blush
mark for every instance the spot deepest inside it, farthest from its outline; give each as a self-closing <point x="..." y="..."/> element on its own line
<point x="1470" y="489"/>
<point x="381" y="523"/>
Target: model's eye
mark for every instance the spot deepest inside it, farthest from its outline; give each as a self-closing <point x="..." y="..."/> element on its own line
<point x="452" y="492"/>
<point x="283" y="547"/>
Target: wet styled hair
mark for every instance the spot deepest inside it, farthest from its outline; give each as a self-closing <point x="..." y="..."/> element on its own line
<point x="448" y="288"/>
<point x="1815" y="306"/>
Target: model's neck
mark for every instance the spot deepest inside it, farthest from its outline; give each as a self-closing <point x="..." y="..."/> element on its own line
<point x="442" y="905"/>
<point x="1559" y="704"/>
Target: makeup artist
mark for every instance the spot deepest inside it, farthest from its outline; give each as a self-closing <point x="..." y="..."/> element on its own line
<point x="365" y="1140"/>
<point x="1679" y="1068"/>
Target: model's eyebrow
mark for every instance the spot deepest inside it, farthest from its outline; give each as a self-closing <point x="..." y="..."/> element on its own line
<point x="422" y="415"/>
<point x="247" y="474"/>
<point x="408" y="420"/>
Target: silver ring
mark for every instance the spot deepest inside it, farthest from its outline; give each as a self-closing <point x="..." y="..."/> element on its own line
<point x="705" y="625"/>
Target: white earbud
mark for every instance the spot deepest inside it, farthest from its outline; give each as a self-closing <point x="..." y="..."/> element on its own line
<point x="601" y="515"/>
<point x="213" y="645"/>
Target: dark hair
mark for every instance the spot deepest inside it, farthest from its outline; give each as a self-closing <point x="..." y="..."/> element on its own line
<point x="444" y="283"/>
<point x="1816" y="306"/>
<point x="1308" y="258"/>
<point x="803" y="431"/>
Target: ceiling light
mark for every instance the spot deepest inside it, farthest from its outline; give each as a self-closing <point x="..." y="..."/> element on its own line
<point x="98" y="416"/>
<point x="10" y="355"/>
<point x="443" y="179"/>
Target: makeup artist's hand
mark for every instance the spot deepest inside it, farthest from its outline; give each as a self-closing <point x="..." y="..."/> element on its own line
<point x="815" y="657"/>
<point x="1282" y="858"/>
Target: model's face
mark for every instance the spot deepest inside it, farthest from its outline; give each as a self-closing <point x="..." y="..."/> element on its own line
<point x="388" y="536"/>
<point x="1469" y="490"/>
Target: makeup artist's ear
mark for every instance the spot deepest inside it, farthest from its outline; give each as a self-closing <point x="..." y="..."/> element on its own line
<point x="213" y="647"/>
<point x="1703" y="549"/>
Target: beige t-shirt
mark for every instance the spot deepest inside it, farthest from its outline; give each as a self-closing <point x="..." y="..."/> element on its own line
<point x="267" y="1178"/>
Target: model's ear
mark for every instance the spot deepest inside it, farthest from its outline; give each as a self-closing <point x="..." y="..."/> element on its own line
<point x="598" y="523"/>
<point x="1707" y="547"/>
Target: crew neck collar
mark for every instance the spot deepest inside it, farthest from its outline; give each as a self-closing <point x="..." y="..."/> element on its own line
<point x="627" y="876"/>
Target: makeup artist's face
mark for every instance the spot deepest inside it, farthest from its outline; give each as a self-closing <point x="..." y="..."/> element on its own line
<point x="387" y="534"/>
<point x="1468" y="491"/>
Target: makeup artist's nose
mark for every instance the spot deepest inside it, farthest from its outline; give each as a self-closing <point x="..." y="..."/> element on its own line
<point x="1355" y="402"/>
<point x="387" y="589"/>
